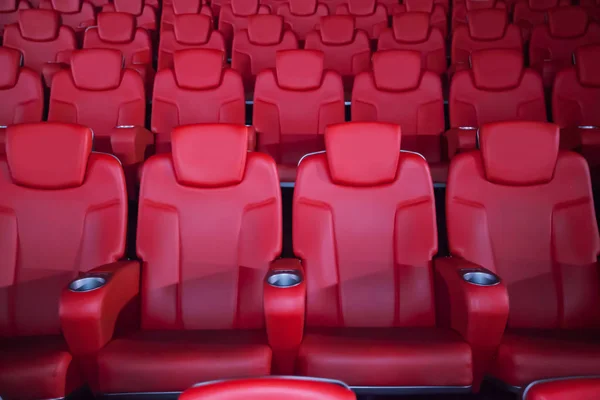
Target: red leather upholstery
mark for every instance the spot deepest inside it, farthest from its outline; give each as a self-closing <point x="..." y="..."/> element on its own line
<point x="398" y="91"/>
<point x="182" y="7"/>
<point x="269" y="389"/>
<point x="234" y="17"/>
<point x="346" y="50"/>
<point x="77" y="14"/>
<point x="537" y="213"/>
<point x="205" y="318"/>
<point x="190" y="31"/>
<point x="461" y="9"/>
<point x="39" y="37"/>
<point x="368" y="15"/>
<point x="50" y="188"/>
<point x="9" y="12"/>
<point x="197" y="77"/>
<point x="552" y="46"/>
<point x="293" y="105"/>
<point x="145" y="14"/>
<point x="437" y="12"/>
<point x="254" y="48"/>
<point x="412" y="31"/>
<point x="567" y="388"/>
<point x="530" y="13"/>
<point x="302" y="16"/>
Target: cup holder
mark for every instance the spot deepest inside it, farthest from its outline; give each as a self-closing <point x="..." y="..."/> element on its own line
<point x="87" y="284"/>
<point x="480" y="277"/>
<point x="284" y="279"/>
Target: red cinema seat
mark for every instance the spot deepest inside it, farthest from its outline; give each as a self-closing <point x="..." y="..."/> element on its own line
<point x="395" y="6"/>
<point x="302" y="16"/>
<point x="581" y="388"/>
<point x="399" y="91"/>
<point x="462" y="8"/>
<point x="77" y="14"/>
<point x="527" y="14"/>
<point x="254" y="48"/>
<point x="181" y="7"/>
<point x="64" y="213"/>
<point x="144" y="13"/>
<point x="190" y="31"/>
<point x="368" y="15"/>
<point x="552" y="46"/>
<point x="275" y="388"/>
<point x="99" y="93"/>
<point x="21" y="93"/>
<point x="293" y="104"/>
<point x="118" y="31"/>
<point x="234" y="17"/>
<point x="496" y="88"/>
<point x="365" y="231"/>
<point x="437" y="13"/>
<point x="213" y="209"/>
<point x="412" y="31"/>
<point x="9" y="12"/>
<point x="347" y="50"/>
<point x="523" y="209"/>
<point x="196" y="90"/>
<point x="486" y="29"/>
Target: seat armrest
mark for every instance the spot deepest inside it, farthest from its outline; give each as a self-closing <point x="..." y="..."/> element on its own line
<point x="130" y="143"/>
<point x="459" y="140"/>
<point x="2" y="139"/>
<point x="477" y="309"/>
<point x="88" y="314"/>
<point x="251" y="138"/>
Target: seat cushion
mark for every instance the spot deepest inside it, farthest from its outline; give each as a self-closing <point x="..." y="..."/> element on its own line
<point x="167" y="361"/>
<point x="528" y="355"/>
<point x="37" y="367"/>
<point x="387" y="357"/>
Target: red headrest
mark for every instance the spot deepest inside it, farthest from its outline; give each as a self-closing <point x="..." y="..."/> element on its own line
<point x="487" y="24"/>
<point x="419" y="5"/>
<point x="116" y="27"/>
<point x="363" y="153"/>
<point x="337" y="29"/>
<point x="587" y="62"/>
<point x="303" y="7"/>
<point x="9" y="5"/>
<point x="542" y="5"/>
<point x="265" y="29"/>
<point x="480" y="4"/>
<point x="299" y="69"/>
<point x="567" y="22"/>
<point x="39" y="25"/>
<point x="97" y="69"/>
<point x="397" y="70"/>
<point x="497" y="69"/>
<point x="411" y="27"/>
<point x="519" y="153"/>
<point x="244" y="7"/>
<point x="10" y="66"/>
<point x="48" y="155"/>
<point x="192" y="28"/>
<point x="209" y="155"/>
<point x="187" y="6"/>
<point x="361" y="7"/>
<point x="66" y="6"/>
<point x="198" y="68"/>
<point x="134" y="7"/>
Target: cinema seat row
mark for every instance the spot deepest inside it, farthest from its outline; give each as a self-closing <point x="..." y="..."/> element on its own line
<point x="364" y="302"/>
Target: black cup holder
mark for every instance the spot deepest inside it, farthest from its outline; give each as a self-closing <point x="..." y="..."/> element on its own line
<point x="87" y="283"/>
<point x="284" y="278"/>
<point x="479" y="277"/>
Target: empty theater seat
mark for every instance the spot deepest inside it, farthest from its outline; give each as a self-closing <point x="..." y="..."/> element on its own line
<point x="234" y="17"/>
<point x="346" y="49"/>
<point x="496" y="88"/>
<point x="190" y="31"/>
<point x="204" y="319"/>
<point x="462" y="8"/>
<point x="254" y="48"/>
<point x="528" y="14"/>
<point x="181" y="7"/>
<point x="581" y="388"/>
<point x="535" y="209"/>
<point x="65" y="213"/>
<point x="293" y="104"/>
<point x="144" y="14"/>
<point x="77" y="14"/>
<point x="412" y="31"/>
<point x="9" y="12"/>
<point x="437" y="13"/>
<point x="197" y="78"/>
<point x="398" y="91"/>
<point x="369" y="16"/>
<point x="302" y="16"/>
<point x="552" y="46"/>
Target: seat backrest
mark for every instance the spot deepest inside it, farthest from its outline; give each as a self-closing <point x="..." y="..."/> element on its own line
<point x="370" y="16"/>
<point x="145" y="14"/>
<point x="485" y="29"/>
<point x="398" y="91"/>
<point x="213" y="209"/>
<point x="254" y="48"/>
<point x="39" y="37"/>
<point x="98" y="93"/>
<point x="197" y="77"/>
<point x="21" y="93"/>
<point x="190" y="31"/>
<point x="182" y="7"/>
<point x="64" y="212"/>
<point x="9" y="12"/>
<point x="234" y="17"/>
<point x="523" y="209"/>
<point x="77" y="14"/>
<point x="460" y="10"/>
<point x="379" y="275"/>
<point x="294" y="103"/>
<point x="346" y="49"/>
<point x="562" y="388"/>
<point x="437" y="13"/>
<point x="496" y="88"/>
<point x="118" y="31"/>
<point x="528" y="14"/>
<point x="302" y="16"/>
<point x="413" y="31"/>
<point x="576" y="93"/>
